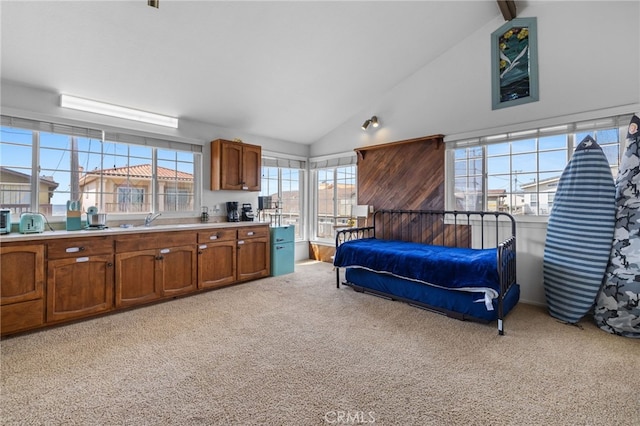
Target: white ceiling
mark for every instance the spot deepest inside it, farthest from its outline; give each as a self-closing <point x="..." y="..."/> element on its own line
<point x="288" y="70"/>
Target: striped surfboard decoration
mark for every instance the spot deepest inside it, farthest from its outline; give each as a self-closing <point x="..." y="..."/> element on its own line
<point x="579" y="233"/>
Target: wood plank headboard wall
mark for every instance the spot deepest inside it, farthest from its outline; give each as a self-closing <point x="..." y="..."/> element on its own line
<point x="407" y="174"/>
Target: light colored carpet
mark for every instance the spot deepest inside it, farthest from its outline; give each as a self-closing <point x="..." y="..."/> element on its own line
<point x="294" y="350"/>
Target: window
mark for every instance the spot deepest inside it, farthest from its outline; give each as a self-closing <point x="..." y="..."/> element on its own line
<point x="519" y="172"/>
<point x="130" y="199"/>
<point x="117" y="173"/>
<point x="284" y="187"/>
<point x="336" y="194"/>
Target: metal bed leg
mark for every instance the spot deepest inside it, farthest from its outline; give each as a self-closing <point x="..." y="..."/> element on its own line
<point x="337" y="277"/>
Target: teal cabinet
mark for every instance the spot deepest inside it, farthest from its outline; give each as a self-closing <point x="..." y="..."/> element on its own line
<point x="282" y="249"/>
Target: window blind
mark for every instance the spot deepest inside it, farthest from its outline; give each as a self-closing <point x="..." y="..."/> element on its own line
<point x="283" y="162"/>
<point x="151" y="142"/>
<point x="578" y="126"/>
<point x="333" y="161"/>
<point x="43" y="126"/>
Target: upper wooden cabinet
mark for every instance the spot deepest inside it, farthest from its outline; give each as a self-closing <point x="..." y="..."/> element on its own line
<point x="235" y="166"/>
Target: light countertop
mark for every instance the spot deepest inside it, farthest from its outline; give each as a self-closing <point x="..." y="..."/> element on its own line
<point x="117" y="230"/>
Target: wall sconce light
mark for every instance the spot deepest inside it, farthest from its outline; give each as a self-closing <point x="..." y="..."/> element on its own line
<point x="96" y="107"/>
<point x="154" y="3"/>
<point x="373" y="121"/>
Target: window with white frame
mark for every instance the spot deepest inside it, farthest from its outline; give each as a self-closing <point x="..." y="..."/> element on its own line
<point x="283" y="184"/>
<point x="335" y="196"/>
<point x="519" y="172"/>
<point x="115" y="172"/>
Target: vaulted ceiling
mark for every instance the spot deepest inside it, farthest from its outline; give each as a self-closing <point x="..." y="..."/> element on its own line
<point x="288" y="70"/>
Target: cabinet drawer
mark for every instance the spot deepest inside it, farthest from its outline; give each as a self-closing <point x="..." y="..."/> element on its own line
<point x="72" y="247"/>
<point x="216" y="235"/>
<point x="21" y="316"/>
<point x="253" y="232"/>
<point x="154" y="240"/>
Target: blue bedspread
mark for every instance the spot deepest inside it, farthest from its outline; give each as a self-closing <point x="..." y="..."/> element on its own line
<point x="448" y="267"/>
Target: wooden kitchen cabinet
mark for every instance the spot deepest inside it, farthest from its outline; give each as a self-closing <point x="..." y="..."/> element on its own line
<point x="235" y="166"/>
<point x="178" y="270"/>
<point x="136" y="278"/>
<point x="254" y="258"/>
<point x="216" y="258"/>
<point x="79" y="287"/>
<point x="61" y="279"/>
<point x="150" y="267"/>
<point x="22" y="279"/>
<point x="80" y="278"/>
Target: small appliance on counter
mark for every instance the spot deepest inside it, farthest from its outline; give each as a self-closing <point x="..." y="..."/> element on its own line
<point x="232" y="211"/>
<point x="96" y="220"/>
<point x="204" y="216"/>
<point x="31" y="223"/>
<point x="5" y="221"/>
<point x="247" y="213"/>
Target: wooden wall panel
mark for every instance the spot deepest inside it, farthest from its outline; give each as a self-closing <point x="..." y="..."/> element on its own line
<point x="403" y="175"/>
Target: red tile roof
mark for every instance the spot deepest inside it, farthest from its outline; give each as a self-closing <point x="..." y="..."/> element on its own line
<point x="143" y="171"/>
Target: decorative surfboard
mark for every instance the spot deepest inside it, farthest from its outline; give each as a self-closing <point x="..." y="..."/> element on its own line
<point x="617" y="307"/>
<point x="579" y="233"/>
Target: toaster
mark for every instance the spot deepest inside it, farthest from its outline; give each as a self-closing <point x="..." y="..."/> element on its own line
<point x="5" y="221"/>
<point x="31" y="223"/>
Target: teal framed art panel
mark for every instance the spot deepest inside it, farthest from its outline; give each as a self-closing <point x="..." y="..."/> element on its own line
<point x="514" y="63"/>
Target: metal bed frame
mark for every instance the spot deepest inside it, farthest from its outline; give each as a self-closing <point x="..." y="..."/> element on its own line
<point x="452" y="228"/>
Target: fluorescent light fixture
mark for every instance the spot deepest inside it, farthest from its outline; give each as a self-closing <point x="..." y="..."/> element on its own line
<point x="67" y="101"/>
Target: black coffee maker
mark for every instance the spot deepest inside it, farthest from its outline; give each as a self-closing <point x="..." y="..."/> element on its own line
<point x="247" y="213"/>
<point x="232" y="211"/>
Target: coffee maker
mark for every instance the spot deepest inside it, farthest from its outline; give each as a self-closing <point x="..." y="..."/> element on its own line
<point x="247" y="213"/>
<point x="232" y="211"/>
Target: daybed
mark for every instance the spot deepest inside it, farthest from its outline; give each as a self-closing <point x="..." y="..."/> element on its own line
<point x="459" y="263"/>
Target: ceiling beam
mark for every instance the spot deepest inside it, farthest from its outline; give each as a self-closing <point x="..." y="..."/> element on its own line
<point x="507" y="8"/>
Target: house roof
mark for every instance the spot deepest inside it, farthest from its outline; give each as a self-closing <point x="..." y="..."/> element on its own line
<point x="47" y="180"/>
<point x="142" y="171"/>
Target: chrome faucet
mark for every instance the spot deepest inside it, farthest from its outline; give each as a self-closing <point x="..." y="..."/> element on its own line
<point x="150" y="218"/>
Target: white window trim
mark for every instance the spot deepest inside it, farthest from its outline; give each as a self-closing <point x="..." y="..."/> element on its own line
<point x="586" y="122"/>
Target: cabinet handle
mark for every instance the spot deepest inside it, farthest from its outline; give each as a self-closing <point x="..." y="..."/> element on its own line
<point x="109" y="264"/>
<point x="279" y="239"/>
<point x="159" y="257"/>
<point x="250" y="233"/>
<point x="213" y="237"/>
<point x="279" y="247"/>
<point x="240" y="242"/>
<point x="82" y="259"/>
<point x="200" y="252"/>
<point x="74" y="249"/>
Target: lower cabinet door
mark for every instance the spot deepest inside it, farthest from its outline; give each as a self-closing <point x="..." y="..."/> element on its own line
<point x="136" y="281"/>
<point x="253" y="258"/>
<point x="78" y="287"/>
<point x="21" y="316"/>
<point x="178" y="266"/>
<point x="216" y="264"/>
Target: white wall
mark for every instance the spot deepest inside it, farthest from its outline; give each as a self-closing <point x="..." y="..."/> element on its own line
<point x="38" y="104"/>
<point x="589" y="60"/>
<point x="589" y="66"/>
